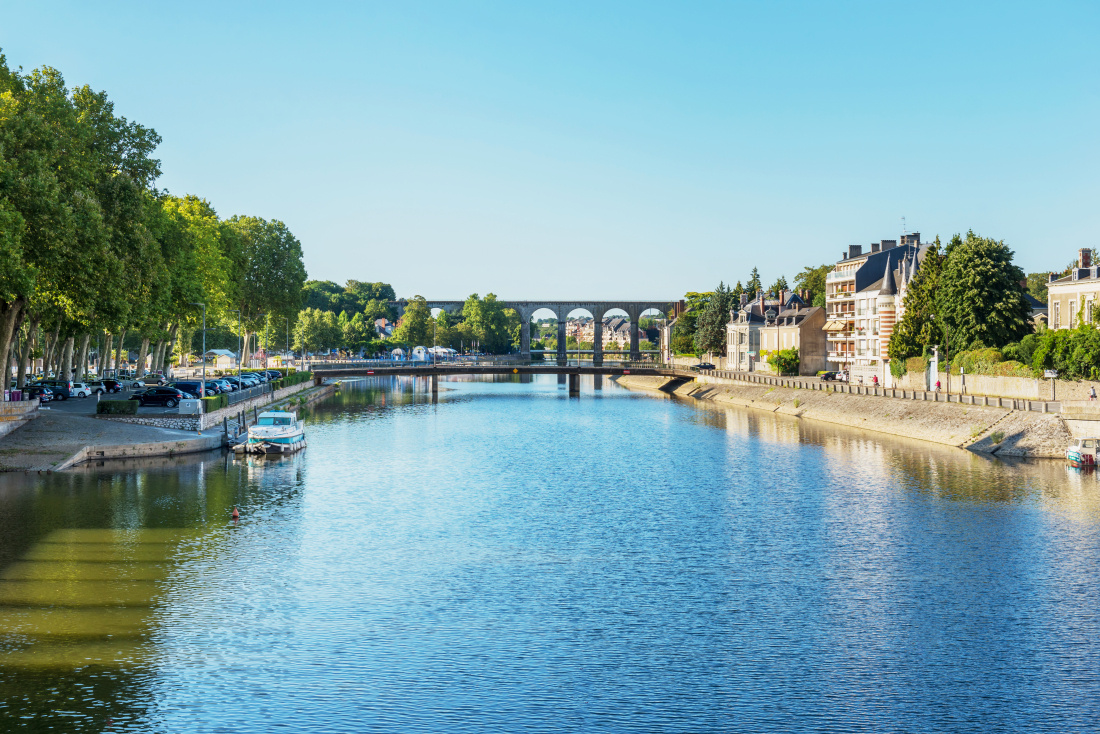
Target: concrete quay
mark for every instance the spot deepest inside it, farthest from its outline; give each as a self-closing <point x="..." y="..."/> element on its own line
<point x="1013" y="429"/>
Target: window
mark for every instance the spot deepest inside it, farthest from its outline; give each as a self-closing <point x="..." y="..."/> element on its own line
<point x="1057" y="314"/>
<point x="1088" y="309"/>
<point x="1072" y="314"/>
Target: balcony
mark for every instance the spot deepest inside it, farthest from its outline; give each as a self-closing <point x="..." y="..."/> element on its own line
<point x="834" y="275"/>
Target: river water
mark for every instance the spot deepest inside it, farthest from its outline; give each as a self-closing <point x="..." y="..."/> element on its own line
<point x="512" y="559"/>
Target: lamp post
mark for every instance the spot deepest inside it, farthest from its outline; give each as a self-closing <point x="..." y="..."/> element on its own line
<point x="202" y="387"/>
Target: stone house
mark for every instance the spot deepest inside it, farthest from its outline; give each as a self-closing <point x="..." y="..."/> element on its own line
<point x="754" y="323"/>
<point x="1071" y="299"/>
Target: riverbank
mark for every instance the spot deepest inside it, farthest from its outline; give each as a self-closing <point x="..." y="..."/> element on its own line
<point x="57" y="441"/>
<point x="983" y="429"/>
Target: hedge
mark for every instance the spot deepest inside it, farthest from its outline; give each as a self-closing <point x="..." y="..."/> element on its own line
<point x="294" y="378"/>
<point x="116" y="407"/>
<point x="214" y="402"/>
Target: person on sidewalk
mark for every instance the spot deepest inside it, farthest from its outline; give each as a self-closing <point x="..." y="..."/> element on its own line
<point x="1092" y="392"/>
<point x="937" y="385"/>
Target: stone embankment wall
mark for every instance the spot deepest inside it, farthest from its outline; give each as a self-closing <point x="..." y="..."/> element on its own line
<point x="980" y="428"/>
<point x="1021" y="388"/>
<point x="212" y="419"/>
<point x="15" y="414"/>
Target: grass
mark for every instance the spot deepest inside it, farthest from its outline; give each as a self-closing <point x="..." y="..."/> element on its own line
<point x="797" y="402"/>
<point x="976" y="431"/>
<point x="997" y="436"/>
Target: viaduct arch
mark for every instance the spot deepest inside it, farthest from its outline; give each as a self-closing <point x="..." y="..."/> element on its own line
<point x="561" y="310"/>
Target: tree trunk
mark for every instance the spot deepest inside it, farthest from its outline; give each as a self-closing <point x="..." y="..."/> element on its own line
<point x="246" y="337"/>
<point x="65" y="367"/>
<point x="119" y="352"/>
<point x="82" y="361"/>
<point x="170" y="347"/>
<point x="105" y="358"/>
<point x="142" y="354"/>
<point x="10" y="318"/>
<point x="25" y="355"/>
<point x="48" y="353"/>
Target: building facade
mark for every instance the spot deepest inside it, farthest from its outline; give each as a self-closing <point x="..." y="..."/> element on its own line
<point x="1072" y="299"/>
<point x="767" y="323"/>
<point x="864" y="299"/>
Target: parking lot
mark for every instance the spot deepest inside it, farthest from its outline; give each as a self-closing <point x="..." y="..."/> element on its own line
<point x="86" y="406"/>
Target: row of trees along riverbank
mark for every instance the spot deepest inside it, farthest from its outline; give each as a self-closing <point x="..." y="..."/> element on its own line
<point x="88" y="245"/>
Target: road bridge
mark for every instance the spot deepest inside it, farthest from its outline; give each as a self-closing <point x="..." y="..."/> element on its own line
<point x="385" y="368"/>
<point x="561" y="311"/>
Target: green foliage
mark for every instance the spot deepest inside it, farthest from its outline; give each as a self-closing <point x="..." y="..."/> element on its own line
<point x="210" y="403"/>
<point x="754" y="284"/>
<point x="710" y="328"/>
<point x="1037" y="285"/>
<point x="813" y="280"/>
<point x="778" y="286"/>
<point x="488" y="323"/>
<point x="918" y="328"/>
<point x="979" y="296"/>
<point x="898" y="368"/>
<point x="1074" y="353"/>
<point x="916" y="364"/>
<point x="116" y="407"/>
<point x="784" y="361"/>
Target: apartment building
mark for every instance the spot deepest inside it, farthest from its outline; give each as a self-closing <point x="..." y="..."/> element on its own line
<point x="864" y="298"/>
<point x="1072" y="299"/>
<point x="767" y="323"/>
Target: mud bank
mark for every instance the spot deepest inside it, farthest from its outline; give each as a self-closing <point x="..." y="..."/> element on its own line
<point x="977" y="428"/>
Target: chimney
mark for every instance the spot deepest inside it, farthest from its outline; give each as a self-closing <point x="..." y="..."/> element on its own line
<point x="855" y="250"/>
<point x="1084" y="257"/>
<point x="1053" y="277"/>
<point x="889" y="244"/>
<point x="874" y="247"/>
<point x="744" y="299"/>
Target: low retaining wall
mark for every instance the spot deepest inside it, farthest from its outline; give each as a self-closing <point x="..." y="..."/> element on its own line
<point x="1022" y="388"/>
<point x="209" y="420"/>
<point x="16" y="414"/>
<point x="981" y="428"/>
<point x="143" y="450"/>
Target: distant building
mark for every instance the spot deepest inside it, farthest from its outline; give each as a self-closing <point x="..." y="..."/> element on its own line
<point x="771" y="323"/>
<point x="1071" y="298"/>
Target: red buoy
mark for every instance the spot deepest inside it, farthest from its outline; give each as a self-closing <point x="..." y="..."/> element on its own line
<point x="236" y="514"/>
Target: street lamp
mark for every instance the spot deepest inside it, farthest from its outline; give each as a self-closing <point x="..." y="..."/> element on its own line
<point x="202" y="387"/>
<point x="287" y="343"/>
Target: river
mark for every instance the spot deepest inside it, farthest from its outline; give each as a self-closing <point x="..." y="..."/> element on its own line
<point x="513" y="559"/>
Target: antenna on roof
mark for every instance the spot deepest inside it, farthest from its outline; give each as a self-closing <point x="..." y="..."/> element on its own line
<point x="903" y="229"/>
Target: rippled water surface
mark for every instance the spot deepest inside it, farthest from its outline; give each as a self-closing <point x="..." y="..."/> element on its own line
<point x="515" y="560"/>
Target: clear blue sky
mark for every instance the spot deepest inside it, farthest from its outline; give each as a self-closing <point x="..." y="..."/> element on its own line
<point x="580" y="150"/>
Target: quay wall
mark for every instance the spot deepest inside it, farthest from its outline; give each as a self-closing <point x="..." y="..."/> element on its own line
<point x="986" y="429"/>
<point x="1021" y="388"/>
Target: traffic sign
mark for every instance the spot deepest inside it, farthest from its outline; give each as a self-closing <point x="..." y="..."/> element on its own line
<point x="1050" y="374"/>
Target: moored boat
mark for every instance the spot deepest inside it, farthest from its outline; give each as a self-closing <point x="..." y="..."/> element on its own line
<point x="1082" y="452"/>
<point x="275" y="432"/>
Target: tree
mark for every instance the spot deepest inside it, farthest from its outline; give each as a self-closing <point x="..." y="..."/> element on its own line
<point x="489" y="323"/>
<point x="779" y="286"/>
<point x="1037" y="285"/>
<point x="414" y="327"/>
<point x="754" y="284"/>
<point x="710" y="329"/>
<point x="979" y="297"/>
<point x="813" y="281"/>
<point x="917" y="328"/>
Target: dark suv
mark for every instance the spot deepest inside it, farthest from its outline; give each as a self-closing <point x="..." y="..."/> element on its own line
<point x="169" y="397"/>
<point x="60" y="388"/>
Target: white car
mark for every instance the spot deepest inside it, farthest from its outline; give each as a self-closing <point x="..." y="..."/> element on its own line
<point x="81" y="390"/>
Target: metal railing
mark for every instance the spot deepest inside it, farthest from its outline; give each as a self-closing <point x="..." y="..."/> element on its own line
<point x="933" y="396"/>
<point x="239" y="396"/>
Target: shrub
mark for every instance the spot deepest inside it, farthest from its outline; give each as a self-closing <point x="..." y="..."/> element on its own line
<point x="784" y="361"/>
<point x="997" y="436"/>
<point x="898" y="368"/>
<point x="214" y="402"/>
<point x="116" y="407"/>
<point x="916" y="364"/>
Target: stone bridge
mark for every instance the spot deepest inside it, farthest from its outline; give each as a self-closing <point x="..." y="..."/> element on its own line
<point x="561" y="311"/>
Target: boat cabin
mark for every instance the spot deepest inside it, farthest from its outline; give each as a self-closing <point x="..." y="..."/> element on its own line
<point x="275" y="418"/>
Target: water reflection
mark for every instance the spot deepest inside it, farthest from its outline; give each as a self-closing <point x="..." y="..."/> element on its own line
<point x="510" y="559"/>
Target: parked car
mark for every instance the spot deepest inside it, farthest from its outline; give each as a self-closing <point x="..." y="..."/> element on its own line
<point x="192" y="387"/>
<point x="213" y="388"/>
<point x="43" y="393"/>
<point x="255" y="376"/>
<point x="705" y="366"/>
<point x="62" y="389"/>
<point x="224" y="385"/>
<point x="100" y="387"/>
<point x="273" y="374"/>
<point x="81" y="390"/>
<point x="169" y="397"/>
